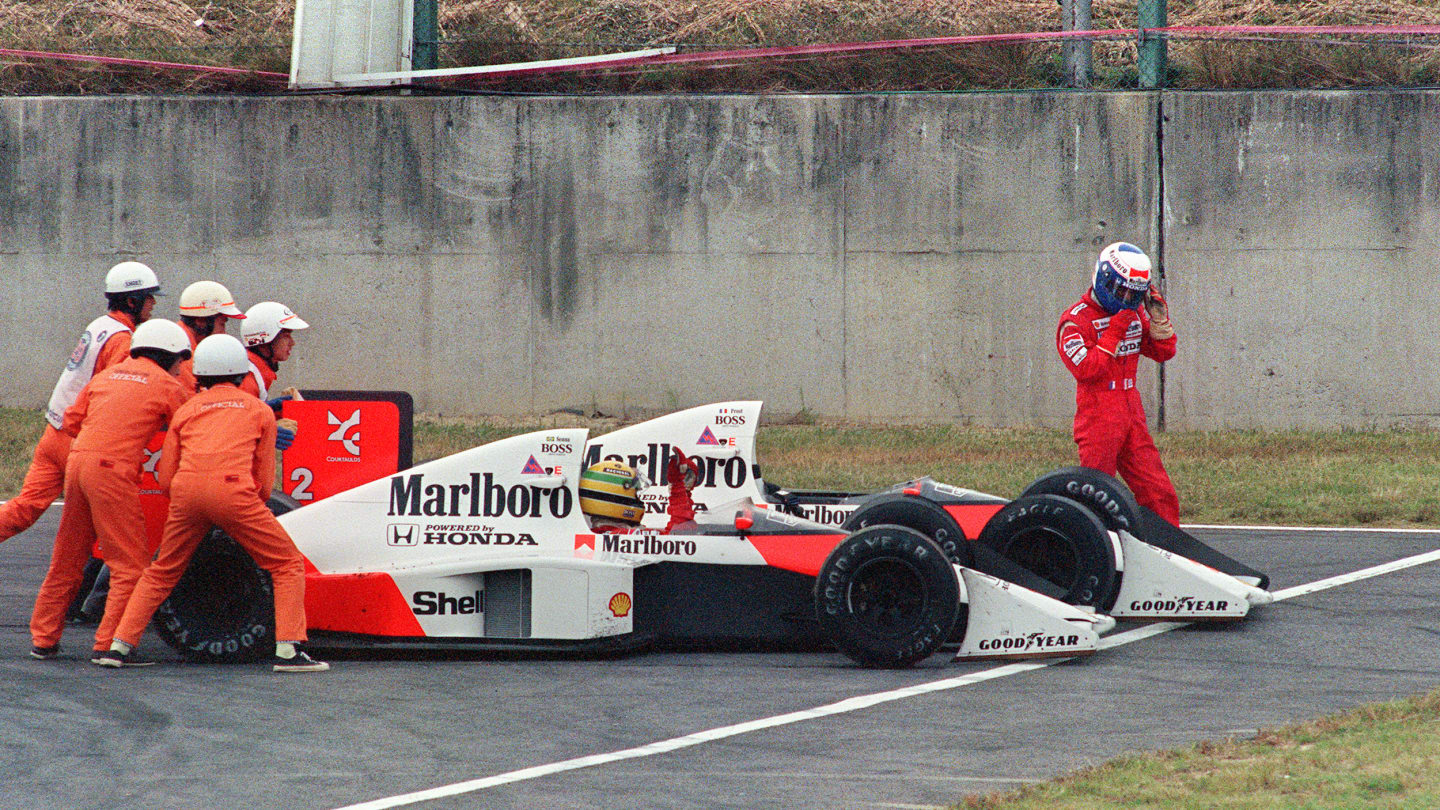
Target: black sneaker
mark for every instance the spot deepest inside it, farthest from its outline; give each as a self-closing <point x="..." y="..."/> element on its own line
<point x="300" y="662"/>
<point x="45" y="653"/>
<point x="117" y="659"/>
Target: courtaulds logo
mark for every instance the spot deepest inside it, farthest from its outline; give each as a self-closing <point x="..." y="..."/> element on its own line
<point x="351" y="443"/>
<point x="152" y="459"/>
<point x="404" y="534"/>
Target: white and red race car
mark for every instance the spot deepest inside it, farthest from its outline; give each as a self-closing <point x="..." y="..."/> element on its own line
<point x="1075" y="534"/>
<point x="487" y="550"/>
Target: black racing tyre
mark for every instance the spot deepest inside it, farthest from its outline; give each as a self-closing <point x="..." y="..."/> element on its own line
<point x="887" y="597"/>
<point x="223" y="608"/>
<point x="1105" y="495"/>
<point x="1061" y="541"/>
<point x="923" y="515"/>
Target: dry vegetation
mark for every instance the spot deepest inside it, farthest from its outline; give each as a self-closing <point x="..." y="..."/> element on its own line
<point x="256" y="33"/>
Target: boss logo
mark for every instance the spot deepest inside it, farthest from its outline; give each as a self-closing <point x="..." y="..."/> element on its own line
<point x="730" y="420"/>
<point x="557" y="449"/>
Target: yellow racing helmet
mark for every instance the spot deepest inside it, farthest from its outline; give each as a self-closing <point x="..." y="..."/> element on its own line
<point x="609" y="491"/>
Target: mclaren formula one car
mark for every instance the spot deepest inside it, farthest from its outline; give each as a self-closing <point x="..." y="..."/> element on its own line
<point x="1075" y="534"/>
<point x="488" y="550"/>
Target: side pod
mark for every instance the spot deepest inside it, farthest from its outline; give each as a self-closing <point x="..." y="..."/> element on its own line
<point x="1010" y="621"/>
<point x="1159" y="585"/>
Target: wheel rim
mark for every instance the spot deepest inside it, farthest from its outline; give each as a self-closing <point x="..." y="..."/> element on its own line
<point x="223" y="589"/>
<point x="1048" y="554"/>
<point x="887" y="596"/>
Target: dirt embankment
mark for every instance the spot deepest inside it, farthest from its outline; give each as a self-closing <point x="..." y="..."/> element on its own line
<point x="256" y="34"/>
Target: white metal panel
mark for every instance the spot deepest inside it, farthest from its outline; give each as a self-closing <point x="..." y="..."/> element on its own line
<point x="341" y="37"/>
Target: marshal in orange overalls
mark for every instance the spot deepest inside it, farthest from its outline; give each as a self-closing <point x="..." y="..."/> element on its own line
<point x="112" y="420"/>
<point x="218" y="465"/>
<point x="46" y="477"/>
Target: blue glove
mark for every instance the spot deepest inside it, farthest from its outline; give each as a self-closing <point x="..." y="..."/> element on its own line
<point x="284" y="437"/>
<point x="275" y="403"/>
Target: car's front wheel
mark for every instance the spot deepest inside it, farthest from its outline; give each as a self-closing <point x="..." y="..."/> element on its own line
<point x="887" y="597"/>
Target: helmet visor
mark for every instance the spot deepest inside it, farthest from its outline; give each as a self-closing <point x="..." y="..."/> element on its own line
<point x="1128" y="296"/>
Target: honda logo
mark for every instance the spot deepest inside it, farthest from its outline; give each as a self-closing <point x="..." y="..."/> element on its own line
<point x="404" y="534"/>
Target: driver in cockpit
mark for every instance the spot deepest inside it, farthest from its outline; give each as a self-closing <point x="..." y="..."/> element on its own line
<point x="610" y="495"/>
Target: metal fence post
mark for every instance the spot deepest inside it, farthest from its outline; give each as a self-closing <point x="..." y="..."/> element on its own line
<point x="426" y="53"/>
<point x="1075" y="16"/>
<point x="1152" y="49"/>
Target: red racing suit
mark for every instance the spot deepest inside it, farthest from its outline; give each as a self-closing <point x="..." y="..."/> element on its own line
<point x="1110" y="427"/>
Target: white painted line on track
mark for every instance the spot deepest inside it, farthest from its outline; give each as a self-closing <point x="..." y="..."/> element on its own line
<point x="1367" y="529"/>
<point x="851" y="704"/>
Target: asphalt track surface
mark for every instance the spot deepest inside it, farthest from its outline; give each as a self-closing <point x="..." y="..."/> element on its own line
<point x="378" y="731"/>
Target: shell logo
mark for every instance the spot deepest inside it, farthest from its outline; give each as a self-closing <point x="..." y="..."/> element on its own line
<point x="620" y="604"/>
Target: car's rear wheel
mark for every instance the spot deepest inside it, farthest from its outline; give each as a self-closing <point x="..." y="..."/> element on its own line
<point x="887" y="597"/>
<point x="912" y="512"/>
<point x="223" y="608"/>
<point x="1061" y="541"/>
<point x="1104" y="495"/>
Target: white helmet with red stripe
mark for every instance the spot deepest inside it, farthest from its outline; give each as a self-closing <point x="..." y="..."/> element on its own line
<point x="205" y="298"/>
<point x="266" y="320"/>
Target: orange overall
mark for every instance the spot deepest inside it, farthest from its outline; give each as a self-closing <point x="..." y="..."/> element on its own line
<point x="46" y="477"/>
<point x="218" y="464"/>
<point x="250" y="385"/>
<point x="112" y="420"/>
<point x="185" y="369"/>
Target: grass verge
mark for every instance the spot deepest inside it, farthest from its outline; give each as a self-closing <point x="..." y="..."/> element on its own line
<point x="1380" y="755"/>
<point x="256" y="34"/>
<point x="1344" y="478"/>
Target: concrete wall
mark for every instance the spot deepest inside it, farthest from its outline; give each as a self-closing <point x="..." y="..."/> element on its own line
<point x="869" y="257"/>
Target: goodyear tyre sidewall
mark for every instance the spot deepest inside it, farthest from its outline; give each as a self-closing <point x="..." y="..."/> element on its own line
<point x="221" y="571"/>
<point x="931" y="571"/>
<point x="922" y="515"/>
<point x="1105" y="496"/>
<point x="1094" y="580"/>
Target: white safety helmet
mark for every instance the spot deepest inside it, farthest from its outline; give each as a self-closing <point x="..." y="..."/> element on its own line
<point x="131" y="277"/>
<point x="265" y="321"/>
<point x="158" y="333"/>
<point x="220" y="356"/>
<point x="205" y="298"/>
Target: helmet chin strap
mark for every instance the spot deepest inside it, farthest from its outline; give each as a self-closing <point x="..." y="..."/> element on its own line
<point x="266" y="353"/>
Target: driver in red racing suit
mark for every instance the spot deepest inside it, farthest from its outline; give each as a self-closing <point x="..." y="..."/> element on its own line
<point x="1100" y="340"/>
<point x="610" y="495"/>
